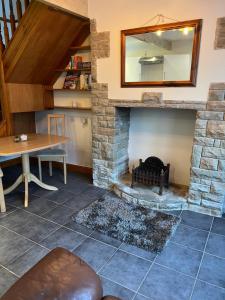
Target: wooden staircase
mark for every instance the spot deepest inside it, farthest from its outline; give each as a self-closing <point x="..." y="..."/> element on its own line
<point x="34" y="46"/>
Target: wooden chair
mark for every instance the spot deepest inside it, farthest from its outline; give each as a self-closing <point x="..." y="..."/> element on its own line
<point x="55" y="154"/>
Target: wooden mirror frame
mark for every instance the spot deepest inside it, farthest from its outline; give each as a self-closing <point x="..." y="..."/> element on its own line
<point x="197" y="24"/>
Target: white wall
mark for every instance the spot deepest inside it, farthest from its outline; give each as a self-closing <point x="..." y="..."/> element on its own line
<point x="78" y="6"/>
<point x="117" y="15"/>
<point x="167" y="134"/>
<point x="78" y="129"/>
<point x="163" y="133"/>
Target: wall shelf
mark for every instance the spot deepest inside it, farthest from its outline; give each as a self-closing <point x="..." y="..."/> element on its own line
<point x="73" y="108"/>
<point x="81" y="48"/>
<point x="74" y="70"/>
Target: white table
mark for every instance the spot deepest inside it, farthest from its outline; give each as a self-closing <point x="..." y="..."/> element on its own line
<point x="34" y="143"/>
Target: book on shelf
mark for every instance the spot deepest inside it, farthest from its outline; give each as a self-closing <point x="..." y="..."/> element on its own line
<point x="77" y="82"/>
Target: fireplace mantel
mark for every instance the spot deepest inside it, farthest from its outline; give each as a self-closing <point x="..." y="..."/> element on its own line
<point x="169" y="104"/>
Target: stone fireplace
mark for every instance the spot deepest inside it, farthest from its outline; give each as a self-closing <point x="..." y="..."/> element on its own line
<point x="110" y="137"/>
<point x="111" y="122"/>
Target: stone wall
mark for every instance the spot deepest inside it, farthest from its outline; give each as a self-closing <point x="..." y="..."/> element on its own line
<point x="207" y="184"/>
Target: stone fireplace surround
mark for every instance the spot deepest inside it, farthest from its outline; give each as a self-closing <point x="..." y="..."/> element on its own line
<point x="110" y="135"/>
<point x="111" y="121"/>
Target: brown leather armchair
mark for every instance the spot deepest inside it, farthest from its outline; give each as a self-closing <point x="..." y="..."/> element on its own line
<point x="60" y="275"/>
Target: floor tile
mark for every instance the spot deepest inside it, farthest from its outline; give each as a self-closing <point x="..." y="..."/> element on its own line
<point x="218" y="226"/>
<point x="95" y="253"/>
<point x="180" y="258"/>
<point x="17" y="199"/>
<point x="196" y="220"/>
<point x="12" y="246"/>
<point x="40" y="206"/>
<point x="141" y="297"/>
<point x="63" y="237"/>
<point x="77" y="187"/>
<point x="191" y="237"/>
<point x="59" y="196"/>
<point x="111" y="288"/>
<point x="106" y="239"/>
<point x="79" y="228"/>
<point x="163" y="284"/>
<point x="16" y="219"/>
<point x="126" y="269"/>
<point x="205" y="291"/>
<point x="61" y="214"/>
<point x="138" y="251"/>
<point x="6" y="280"/>
<point x="23" y="263"/>
<point x="80" y="201"/>
<point x="212" y="270"/>
<point x="216" y="245"/>
<point x="173" y="212"/>
<point x="37" y="228"/>
<point x="9" y="209"/>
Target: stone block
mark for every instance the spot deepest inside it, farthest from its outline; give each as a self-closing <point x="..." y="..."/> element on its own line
<point x="218" y="153"/>
<point x="218" y="188"/>
<point x="220" y="34"/>
<point x="221" y="165"/>
<point x="216" y="129"/>
<point x="152" y="96"/>
<point x="216" y="106"/>
<point x="210" y="115"/>
<point x="196" y="155"/>
<point x="211" y="205"/>
<point x="216" y="95"/>
<point x="212" y="197"/>
<point x="217" y="86"/>
<point x="209" y="163"/>
<point x="199" y="187"/>
<point x="203" y="141"/>
<point x="208" y="174"/>
<point x="200" y="124"/>
<point x="200" y="132"/>
<point x="217" y="143"/>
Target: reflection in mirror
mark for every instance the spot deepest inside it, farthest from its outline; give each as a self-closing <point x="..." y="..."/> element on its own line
<point x="162" y="55"/>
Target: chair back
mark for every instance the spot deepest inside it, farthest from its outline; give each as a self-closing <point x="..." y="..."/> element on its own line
<point x="55" y="122"/>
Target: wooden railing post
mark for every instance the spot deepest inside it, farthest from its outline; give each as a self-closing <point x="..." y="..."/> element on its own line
<point x="2" y="46"/>
<point x="6" y="31"/>
<point x="19" y="10"/>
<point x="12" y="17"/>
<point x="26" y="3"/>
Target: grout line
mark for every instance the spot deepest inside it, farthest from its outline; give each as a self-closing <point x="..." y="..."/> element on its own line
<point x="145" y="277"/>
<point x="117" y="283"/>
<point x="108" y="260"/>
<point x="192" y="292"/>
<point x="3" y="267"/>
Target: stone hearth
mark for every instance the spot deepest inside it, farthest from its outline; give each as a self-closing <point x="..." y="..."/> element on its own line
<point x="174" y="198"/>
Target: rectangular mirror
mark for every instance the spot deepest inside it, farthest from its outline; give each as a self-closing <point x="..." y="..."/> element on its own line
<point x="161" y="55"/>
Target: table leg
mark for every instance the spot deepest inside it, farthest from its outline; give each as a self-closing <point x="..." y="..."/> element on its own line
<point x="28" y="177"/>
<point x="2" y="198"/>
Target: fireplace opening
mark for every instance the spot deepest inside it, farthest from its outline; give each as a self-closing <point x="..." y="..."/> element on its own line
<point x="167" y="134"/>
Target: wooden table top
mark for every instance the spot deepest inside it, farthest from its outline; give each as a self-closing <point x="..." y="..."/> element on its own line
<point x="34" y="143"/>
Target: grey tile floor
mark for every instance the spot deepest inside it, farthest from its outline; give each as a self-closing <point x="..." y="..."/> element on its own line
<point x="192" y="265"/>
